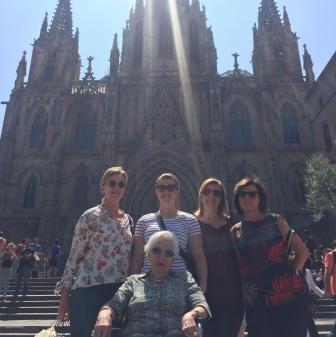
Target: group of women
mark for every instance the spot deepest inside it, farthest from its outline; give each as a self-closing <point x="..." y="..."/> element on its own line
<point x="240" y="268"/>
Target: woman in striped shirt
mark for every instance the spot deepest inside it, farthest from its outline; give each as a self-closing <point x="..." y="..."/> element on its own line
<point x="184" y="225"/>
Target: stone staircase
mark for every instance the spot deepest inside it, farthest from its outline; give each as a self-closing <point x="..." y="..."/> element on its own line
<point x="26" y="316"/>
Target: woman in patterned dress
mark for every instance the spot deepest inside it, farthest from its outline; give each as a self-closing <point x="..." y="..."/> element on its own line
<point x="224" y="289"/>
<point x="159" y="303"/>
<point x="274" y="291"/>
<point x="99" y="257"/>
<point x="184" y="225"/>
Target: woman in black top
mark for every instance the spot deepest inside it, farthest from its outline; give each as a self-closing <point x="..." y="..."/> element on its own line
<point x="224" y="290"/>
<point x="274" y="291"/>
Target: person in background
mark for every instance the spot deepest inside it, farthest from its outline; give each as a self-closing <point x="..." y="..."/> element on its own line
<point x="36" y="246"/>
<point x="159" y="303"/>
<point x="274" y="291"/>
<point x="330" y="279"/>
<point x="313" y="288"/>
<point x="184" y="225"/>
<point x="2" y="242"/>
<point x="99" y="257"/>
<point x="26" y="264"/>
<point x="224" y="294"/>
<point x="7" y="257"/>
<point x="54" y="255"/>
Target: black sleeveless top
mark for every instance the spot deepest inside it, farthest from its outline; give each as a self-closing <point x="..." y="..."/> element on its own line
<point x="268" y="278"/>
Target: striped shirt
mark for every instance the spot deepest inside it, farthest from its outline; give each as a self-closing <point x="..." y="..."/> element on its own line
<point x="184" y="226"/>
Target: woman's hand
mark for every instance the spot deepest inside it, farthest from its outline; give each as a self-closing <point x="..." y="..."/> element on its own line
<point x="189" y="327"/>
<point x="63" y="313"/>
<point x="103" y="324"/>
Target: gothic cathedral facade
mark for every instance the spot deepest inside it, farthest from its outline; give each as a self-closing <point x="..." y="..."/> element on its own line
<point x="163" y="107"/>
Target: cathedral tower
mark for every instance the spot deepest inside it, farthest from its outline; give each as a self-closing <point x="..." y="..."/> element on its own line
<point x="55" y="60"/>
<point x="155" y="33"/>
<point x="276" y="55"/>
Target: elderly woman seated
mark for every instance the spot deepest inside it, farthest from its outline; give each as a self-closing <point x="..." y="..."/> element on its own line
<point x="159" y="303"/>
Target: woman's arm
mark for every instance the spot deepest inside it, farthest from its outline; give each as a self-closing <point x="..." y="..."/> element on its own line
<point x="138" y="255"/>
<point x="196" y="247"/>
<point x="189" y="326"/>
<point x="311" y="284"/>
<point x="301" y="251"/>
<point x="103" y="324"/>
<point x="76" y="256"/>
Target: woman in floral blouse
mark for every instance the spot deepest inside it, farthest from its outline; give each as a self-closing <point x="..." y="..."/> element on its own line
<point x="99" y="257"/>
<point x="274" y="291"/>
<point x="158" y="303"/>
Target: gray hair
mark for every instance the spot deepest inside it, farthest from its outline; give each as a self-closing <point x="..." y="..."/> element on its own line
<point x="156" y="237"/>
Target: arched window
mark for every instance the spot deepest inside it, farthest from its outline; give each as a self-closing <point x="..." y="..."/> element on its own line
<point x="327" y="137"/>
<point x="138" y="41"/>
<point x="194" y="42"/>
<point x="38" y="130"/>
<point x="240" y="125"/>
<point x="80" y="192"/>
<point x="85" y="131"/>
<point x="30" y="191"/>
<point x="166" y="41"/>
<point x="290" y="124"/>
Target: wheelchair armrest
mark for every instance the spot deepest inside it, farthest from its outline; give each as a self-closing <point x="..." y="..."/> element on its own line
<point x="200" y="322"/>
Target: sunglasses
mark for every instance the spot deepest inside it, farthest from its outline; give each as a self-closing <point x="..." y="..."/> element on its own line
<point x="169" y="188"/>
<point x="158" y="252"/>
<point x="216" y="193"/>
<point x="250" y="194"/>
<point x="113" y="184"/>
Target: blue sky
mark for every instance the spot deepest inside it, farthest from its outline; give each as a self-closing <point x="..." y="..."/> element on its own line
<point x="98" y="20"/>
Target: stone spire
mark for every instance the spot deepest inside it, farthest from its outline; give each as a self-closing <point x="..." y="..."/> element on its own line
<point x="286" y="21"/>
<point x="269" y="17"/>
<point x="195" y="4"/>
<point x="114" y="57"/>
<point x="62" y="20"/>
<point x="139" y="7"/>
<point x="76" y="38"/>
<point x="21" y="72"/>
<point x="44" y="27"/>
<point x="308" y="65"/>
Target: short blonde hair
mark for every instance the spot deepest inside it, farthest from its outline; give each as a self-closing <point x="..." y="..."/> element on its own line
<point x="156" y="237"/>
<point x="111" y="172"/>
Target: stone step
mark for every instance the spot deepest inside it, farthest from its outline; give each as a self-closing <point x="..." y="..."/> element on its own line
<point x="30" y="328"/>
<point x="30" y="303"/>
<point x="30" y="297"/>
<point x="34" y="291"/>
<point x="28" y="309"/>
<point x="27" y="316"/>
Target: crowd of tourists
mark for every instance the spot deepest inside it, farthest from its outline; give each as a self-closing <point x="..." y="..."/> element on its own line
<point x="170" y="270"/>
<point x="25" y="260"/>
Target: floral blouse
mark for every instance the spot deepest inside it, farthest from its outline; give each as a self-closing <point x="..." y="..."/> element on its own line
<point x="154" y="308"/>
<point x="267" y="277"/>
<point x="100" y="251"/>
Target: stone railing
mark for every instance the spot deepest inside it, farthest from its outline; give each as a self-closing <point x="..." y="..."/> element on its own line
<point x="89" y="88"/>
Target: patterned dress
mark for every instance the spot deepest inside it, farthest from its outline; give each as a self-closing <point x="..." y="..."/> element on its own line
<point x="154" y="308"/>
<point x="273" y="293"/>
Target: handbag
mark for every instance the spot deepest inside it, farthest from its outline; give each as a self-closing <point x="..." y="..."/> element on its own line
<point x="185" y="255"/>
<point x="58" y="329"/>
